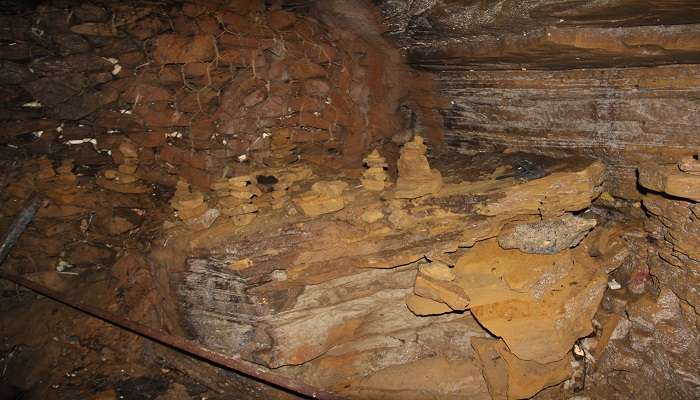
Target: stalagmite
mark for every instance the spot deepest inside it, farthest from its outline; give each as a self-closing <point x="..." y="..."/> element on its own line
<point x="374" y="178"/>
<point x="416" y="178"/>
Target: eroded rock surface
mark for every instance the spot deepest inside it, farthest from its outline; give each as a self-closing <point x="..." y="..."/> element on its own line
<point x="318" y="295"/>
<point x="546" y="237"/>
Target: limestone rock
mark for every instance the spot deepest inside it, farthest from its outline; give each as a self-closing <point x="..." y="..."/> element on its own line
<point x="179" y="49"/>
<point x="674" y="225"/>
<point x="235" y="198"/>
<point x="188" y="203"/>
<point x="551" y="195"/>
<point x="671" y="180"/>
<point x="509" y="377"/>
<point x="281" y="148"/>
<point x="437" y="270"/>
<point x="416" y="178"/>
<point x="61" y="185"/>
<point x="46" y="170"/>
<point x="124" y="179"/>
<point x="512" y="294"/>
<point x="422" y="306"/>
<point x="434" y="378"/>
<point x="660" y="339"/>
<point x="323" y="198"/>
<point x="438" y="290"/>
<point x="690" y="165"/>
<point x="546" y="237"/>
<point x="372" y="216"/>
<point x="374" y="177"/>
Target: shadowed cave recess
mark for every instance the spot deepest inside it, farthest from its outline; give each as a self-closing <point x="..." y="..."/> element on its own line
<point x="388" y="199"/>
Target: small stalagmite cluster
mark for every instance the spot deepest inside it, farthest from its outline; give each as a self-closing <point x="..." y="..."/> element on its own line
<point x="235" y="198"/>
<point x="374" y="178"/>
<point x="124" y="179"/>
<point x="416" y="178"/>
<point x="189" y="203"/>
<point x="323" y="198"/>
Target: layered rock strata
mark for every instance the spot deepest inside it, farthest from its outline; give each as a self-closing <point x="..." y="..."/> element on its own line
<point x="347" y="297"/>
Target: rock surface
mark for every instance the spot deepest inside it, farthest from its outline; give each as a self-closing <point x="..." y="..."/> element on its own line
<point x="318" y="295"/>
<point x="509" y="377"/>
<point x="608" y="79"/>
<point x="416" y="178"/>
<point x="670" y="180"/>
<point x="546" y="237"/>
<point x="539" y="304"/>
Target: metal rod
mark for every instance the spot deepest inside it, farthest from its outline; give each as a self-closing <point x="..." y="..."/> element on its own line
<point x="186" y="346"/>
<point x="181" y="344"/>
<point x="19" y="225"/>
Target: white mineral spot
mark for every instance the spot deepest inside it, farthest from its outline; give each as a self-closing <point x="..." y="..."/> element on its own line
<point x="33" y="104"/>
<point x="81" y="141"/>
<point x="614" y="285"/>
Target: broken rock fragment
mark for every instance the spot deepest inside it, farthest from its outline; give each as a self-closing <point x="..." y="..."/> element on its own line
<point x="323" y="198"/>
<point x="546" y="237"/>
<point x="437" y="270"/>
<point x="509" y="377"/>
<point x="552" y="195"/>
<point x="422" y="306"/>
<point x="690" y="165"/>
<point x="539" y="304"/>
<point x="670" y="179"/>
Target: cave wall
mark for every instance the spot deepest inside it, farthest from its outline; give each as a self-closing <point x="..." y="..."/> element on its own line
<point x="190" y="86"/>
<point x="615" y="79"/>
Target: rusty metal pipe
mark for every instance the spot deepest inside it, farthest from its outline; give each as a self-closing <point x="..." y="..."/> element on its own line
<point x="186" y="346"/>
<point x="19" y="225"/>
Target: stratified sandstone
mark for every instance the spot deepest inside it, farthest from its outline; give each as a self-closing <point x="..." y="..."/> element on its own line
<point x="671" y="180"/>
<point x="319" y="293"/>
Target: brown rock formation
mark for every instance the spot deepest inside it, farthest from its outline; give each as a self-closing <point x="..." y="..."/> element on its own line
<point x="546" y="237"/>
<point x="561" y="77"/>
<point x="202" y="166"/>
<point x="323" y="198"/>
<point x="374" y="178"/>
<point x="416" y="178"/>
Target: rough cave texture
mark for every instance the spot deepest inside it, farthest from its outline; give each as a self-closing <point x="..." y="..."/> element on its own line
<point x="616" y="79"/>
<point x="435" y="199"/>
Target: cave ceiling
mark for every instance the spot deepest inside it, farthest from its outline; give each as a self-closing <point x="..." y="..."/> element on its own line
<point x="543" y="34"/>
